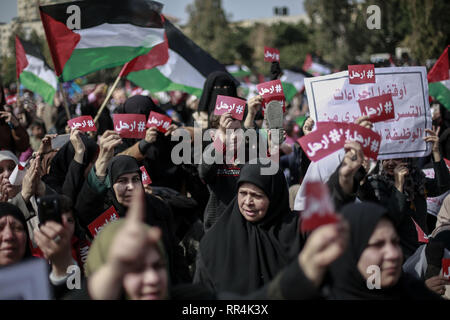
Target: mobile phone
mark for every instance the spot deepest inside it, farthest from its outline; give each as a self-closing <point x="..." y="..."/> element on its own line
<point x="49" y="209"/>
<point x="60" y="140"/>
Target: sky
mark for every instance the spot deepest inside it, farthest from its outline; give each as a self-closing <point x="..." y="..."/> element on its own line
<point x="235" y="9"/>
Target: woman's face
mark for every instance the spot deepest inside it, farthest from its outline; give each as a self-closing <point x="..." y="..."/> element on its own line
<point x="253" y="202"/>
<point x="383" y="250"/>
<point x="151" y="281"/>
<point x="124" y="187"/>
<point x="13" y="240"/>
<point x="390" y="164"/>
<point x="6" y="168"/>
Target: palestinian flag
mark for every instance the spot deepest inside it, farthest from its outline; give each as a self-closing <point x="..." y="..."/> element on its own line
<point x="439" y="80"/>
<point x="293" y="82"/>
<point x="85" y="36"/>
<point x="33" y="72"/>
<point x="186" y="69"/>
<point x="315" y="67"/>
<point x="239" y="71"/>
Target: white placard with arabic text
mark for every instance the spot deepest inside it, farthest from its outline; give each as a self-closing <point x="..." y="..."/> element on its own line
<point x="333" y="98"/>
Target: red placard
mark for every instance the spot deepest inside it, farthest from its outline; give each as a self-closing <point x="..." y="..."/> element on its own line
<point x="130" y="125"/>
<point x="271" y="54"/>
<point x="318" y="208"/>
<point x="322" y="142"/>
<point x="361" y="73"/>
<point x="145" y="176"/>
<point x="331" y="136"/>
<point x="446" y="268"/>
<point x="158" y="120"/>
<point x="421" y="236"/>
<point x="233" y="105"/>
<point x="106" y="217"/>
<point x="11" y="99"/>
<point x="379" y="108"/>
<point x="369" y="139"/>
<point x="83" y="123"/>
<point x="271" y="90"/>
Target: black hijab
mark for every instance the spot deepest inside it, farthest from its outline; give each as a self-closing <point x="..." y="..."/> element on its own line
<point x="347" y="283"/>
<point x="8" y="209"/>
<point x="60" y="163"/>
<point x="242" y="256"/>
<point x="209" y="95"/>
<point x="140" y="105"/>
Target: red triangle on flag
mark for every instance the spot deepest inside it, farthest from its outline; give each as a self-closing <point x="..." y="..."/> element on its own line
<point x="61" y="41"/>
<point x="439" y="71"/>
<point x="21" y="58"/>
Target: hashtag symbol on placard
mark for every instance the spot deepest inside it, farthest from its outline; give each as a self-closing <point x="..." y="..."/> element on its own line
<point x="239" y="109"/>
<point x="278" y="88"/>
<point x="369" y="74"/>
<point x="141" y="126"/>
<point x="388" y="107"/>
<point x="334" y="136"/>
<point x="374" y="146"/>
<point x="144" y="176"/>
<point x="90" y="123"/>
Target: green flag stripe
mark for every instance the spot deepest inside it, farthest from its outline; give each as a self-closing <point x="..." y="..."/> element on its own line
<point x="84" y="61"/>
<point x="440" y="92"/>
<point x="289" y="90"/>
<point x="154" y="81"/>
<point x="38" y="85"/>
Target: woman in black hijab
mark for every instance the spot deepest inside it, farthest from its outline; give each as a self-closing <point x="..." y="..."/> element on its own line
<point x="250" y="243"/>
<point x="156" y="156"/>
<point x="374" y="245"/>
<point x="14" y="238"/>
<point x="66" y="175"/>
<point x="123" y="176"/>
<point x="217" y="83"/>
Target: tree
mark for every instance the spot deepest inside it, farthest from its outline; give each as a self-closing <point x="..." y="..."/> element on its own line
<point x="208" y="27"/>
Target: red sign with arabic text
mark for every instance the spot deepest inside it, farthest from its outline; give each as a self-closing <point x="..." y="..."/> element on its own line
<point x="145" y="176"/>
<point x="379" y="108"/>
<point x="130" y="125"/>
<point x="318" y="208"/>
<point x="361" y="73"/>
<point x="271" y="90"/>
<point x="233" y="105"/>
<point x="158" y="120"/>
<point x="446" y="268"/>
<point x="11" y="99"/>
<point x="271" y="54"/>
<point x="83" y="123"/>
<point x="106" y="217"/>
<point x="331" y="136"/>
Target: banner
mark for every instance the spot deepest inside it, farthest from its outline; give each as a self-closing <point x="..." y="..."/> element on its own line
<point x="333" y="98"/>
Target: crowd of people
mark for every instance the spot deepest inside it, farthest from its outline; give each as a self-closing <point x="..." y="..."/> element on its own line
<point x="213" y="230"/>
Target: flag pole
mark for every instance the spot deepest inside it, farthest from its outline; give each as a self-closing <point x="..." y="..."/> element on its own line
<point x="65" y="103"/>
<point x="111" y="90"/>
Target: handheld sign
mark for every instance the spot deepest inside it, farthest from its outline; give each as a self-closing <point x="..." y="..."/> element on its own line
<point x="145" y="176"/>
<point x="158" y="120"/>
<point x="83" y="123"/>
<point x="446" y="268"/>
<point x="130" y="125"/>
<point x="106" y="217"/>
<point x="361" y="73"/>
<point x="11" y="99"/>
<point x="318" y="208"/>
<point x="17" y="175"/>
<point x="271" y="90"/>
<point x="330" y="137"/>
<point x="271" y="54"/>
<point x="233" y="105"/>
<point x="379" y="108"/>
